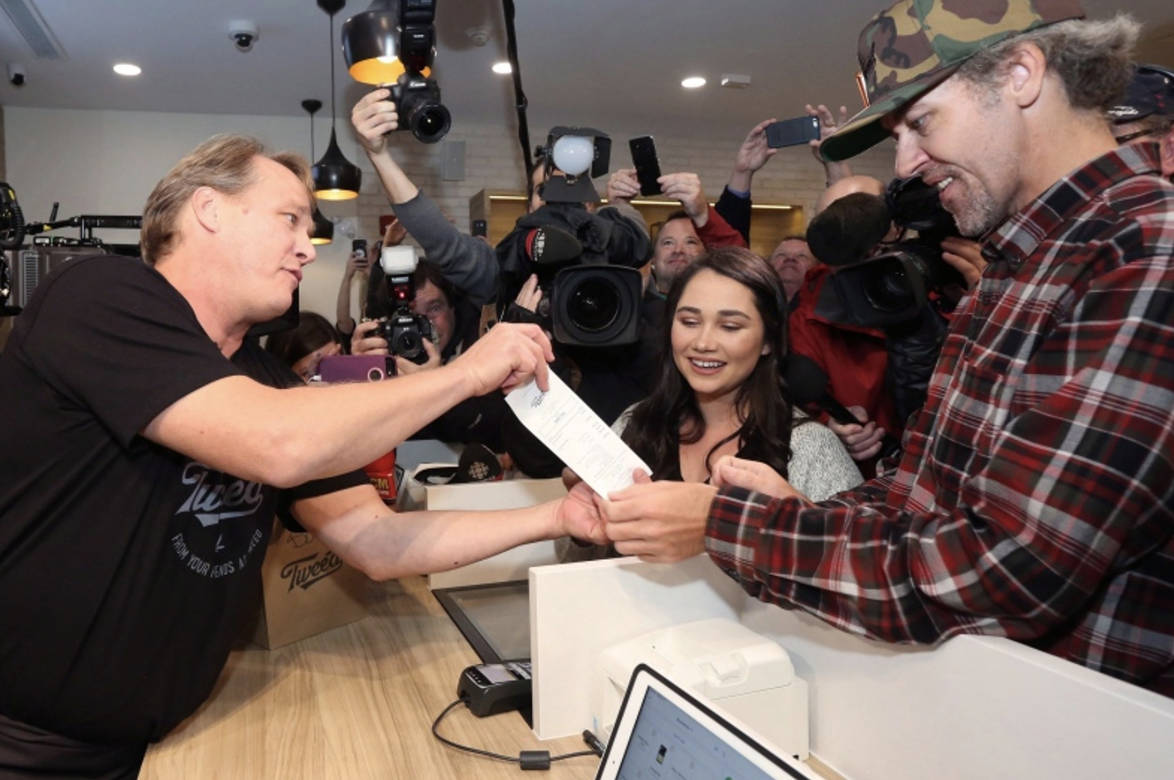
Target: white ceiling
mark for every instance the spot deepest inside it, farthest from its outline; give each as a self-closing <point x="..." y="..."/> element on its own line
<point x="591" y="62"/>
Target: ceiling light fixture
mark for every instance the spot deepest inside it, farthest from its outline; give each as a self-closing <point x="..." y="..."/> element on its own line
<point x="693" y="82"/>
<point x="393" y="44"/>
<point x="503" y="68"/>
<point x="127" y="69"/>
<point x="371" y="40"/>
<point x="335" y="178"/>
<point x="323" y="232"/>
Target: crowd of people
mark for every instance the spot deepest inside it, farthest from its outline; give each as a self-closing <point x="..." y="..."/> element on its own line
<point x="1027" y="491"/>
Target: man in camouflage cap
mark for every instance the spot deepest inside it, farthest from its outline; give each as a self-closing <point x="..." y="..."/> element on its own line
<point x="1034" y="498"/>
<point x="910" y="48"/>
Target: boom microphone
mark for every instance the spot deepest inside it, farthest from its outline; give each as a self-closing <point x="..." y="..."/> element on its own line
<point x="808" y="385"/>
<point x="847" y="230"/>
<point x="549" y="245"/>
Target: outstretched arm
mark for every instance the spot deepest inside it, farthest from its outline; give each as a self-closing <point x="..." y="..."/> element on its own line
<point x="355" y="266"/>
<point x="287" y="437"/>
<point x="384" y="545"/>
<point x="467" y="262"/>
<point x="751" y="156"/>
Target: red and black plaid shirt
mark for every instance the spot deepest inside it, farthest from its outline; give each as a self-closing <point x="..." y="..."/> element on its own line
<point x="1035" y="496"/>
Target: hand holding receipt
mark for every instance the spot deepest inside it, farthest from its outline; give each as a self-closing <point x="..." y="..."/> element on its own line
<point x="577" y="435"/>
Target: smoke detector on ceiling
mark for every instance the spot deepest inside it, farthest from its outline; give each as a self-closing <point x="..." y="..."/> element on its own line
<point x="735" y="80"/>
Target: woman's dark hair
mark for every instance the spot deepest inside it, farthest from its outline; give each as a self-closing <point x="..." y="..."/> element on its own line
<point x="670" y="416"/>
<point x="313" y="332"/>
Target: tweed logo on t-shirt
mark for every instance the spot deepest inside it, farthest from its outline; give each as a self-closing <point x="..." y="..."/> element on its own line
<point x="223" y="499"/>
<point x="212" y="538"/>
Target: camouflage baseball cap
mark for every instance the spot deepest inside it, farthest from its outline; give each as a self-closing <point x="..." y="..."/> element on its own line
<point x="916" y="44"/>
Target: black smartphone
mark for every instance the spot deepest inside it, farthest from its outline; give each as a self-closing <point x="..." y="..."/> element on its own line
<point x="480" y="227"/>
<point x="790" y="132"/>
<point x="646" y="164"/>
<point x="359" y="247"/>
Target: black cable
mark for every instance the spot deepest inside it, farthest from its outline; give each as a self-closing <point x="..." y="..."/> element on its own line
<point x="520" y="102"/>
<point x="528" y="759"/>
<point x="330" y="46"/>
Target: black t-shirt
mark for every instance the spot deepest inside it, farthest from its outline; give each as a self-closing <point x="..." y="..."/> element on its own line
<point x="125" y="568"/>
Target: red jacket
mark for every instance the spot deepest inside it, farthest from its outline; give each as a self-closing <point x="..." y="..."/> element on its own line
<point x="853" y="358"/>
<point x="717" y="232"/>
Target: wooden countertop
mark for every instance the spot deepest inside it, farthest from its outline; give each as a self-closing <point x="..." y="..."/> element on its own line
<point x="354" y="702"/>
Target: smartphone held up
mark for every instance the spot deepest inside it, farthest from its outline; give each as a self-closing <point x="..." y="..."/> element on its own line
<point x="647" y="165"/>
<point x="359" y="253"/>
<point x="791" y="132"/>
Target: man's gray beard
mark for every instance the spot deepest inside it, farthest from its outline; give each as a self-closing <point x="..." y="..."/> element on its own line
<point x="979" y="218"/>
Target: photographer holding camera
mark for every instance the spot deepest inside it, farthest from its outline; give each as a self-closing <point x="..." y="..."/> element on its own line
<point x="360" y="264"/>
<point x="565" y="237"/>
<point x="443" y="292"/>
<point x="466" y="261"/>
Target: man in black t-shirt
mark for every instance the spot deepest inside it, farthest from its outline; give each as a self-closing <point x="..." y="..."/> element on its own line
<point x="148" y="444"/>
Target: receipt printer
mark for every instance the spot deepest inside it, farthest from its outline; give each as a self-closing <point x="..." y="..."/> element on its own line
<point x="739" y="671"/>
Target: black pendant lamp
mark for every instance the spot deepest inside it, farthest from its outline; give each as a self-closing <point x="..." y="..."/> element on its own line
<point x="323" y="229"/>
<point x="334" y="176"/>
<point x="323" y="232"/>
<point x="370" y="44"/>
<point x="372" y="40"/>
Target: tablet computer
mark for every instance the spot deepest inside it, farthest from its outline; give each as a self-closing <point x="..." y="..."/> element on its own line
<point x="663" y="730"/>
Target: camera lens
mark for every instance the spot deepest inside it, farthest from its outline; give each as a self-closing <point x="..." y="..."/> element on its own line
<point x="408" y="344"/>
<point x="888" y="289"/>
<point x="430" y="123"/>
<point x="593" y="305"/>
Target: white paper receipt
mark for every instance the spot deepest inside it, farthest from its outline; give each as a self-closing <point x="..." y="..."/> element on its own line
<point x="577" y="435"/>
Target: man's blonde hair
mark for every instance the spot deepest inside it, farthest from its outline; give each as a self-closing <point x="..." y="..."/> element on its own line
<point x="224" y="163"/>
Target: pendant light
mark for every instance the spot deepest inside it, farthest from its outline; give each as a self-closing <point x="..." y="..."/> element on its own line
<point x="372" y="40"/>
<point x="323" y="232"/>
<point x="334" y="176"/>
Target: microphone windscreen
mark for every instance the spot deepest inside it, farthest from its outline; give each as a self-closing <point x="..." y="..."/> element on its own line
<point x="477" y="464"/>
<point x="808" y="385"/>
<point x="551" y="245"/>
<point x="844" y="232"/>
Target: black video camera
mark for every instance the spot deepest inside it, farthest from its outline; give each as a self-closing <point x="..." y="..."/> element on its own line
<point x="585" y="300"/>
<point x="417" y="102"/>
<point x="883" y="289"/>
<point x="403" y="330"/>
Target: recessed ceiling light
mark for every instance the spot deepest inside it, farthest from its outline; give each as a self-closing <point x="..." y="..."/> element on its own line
<point x="503" y="67"/>
<point x="693" y="82"/>
<point x="127" y="69"/>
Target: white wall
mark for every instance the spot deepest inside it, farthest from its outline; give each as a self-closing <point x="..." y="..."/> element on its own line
<point x="106" y="162"/>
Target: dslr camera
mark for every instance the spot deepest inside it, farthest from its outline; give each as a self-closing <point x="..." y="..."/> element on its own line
<point x="403" y="330"/>
<point x="417" y="101"/>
